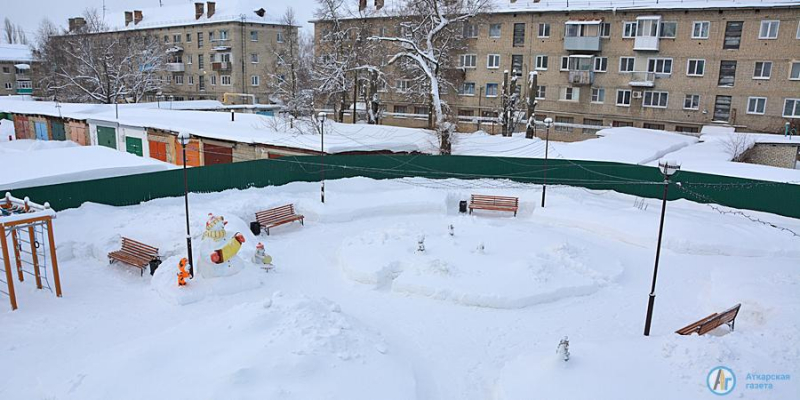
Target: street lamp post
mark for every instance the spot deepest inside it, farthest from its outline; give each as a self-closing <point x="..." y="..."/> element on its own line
<point x="547" y="123"/>
<point x="668" y="168"/>
<point x="184" y="139"/>
<point x="322" y="117"/>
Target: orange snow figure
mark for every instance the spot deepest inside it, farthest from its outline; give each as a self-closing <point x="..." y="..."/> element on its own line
<point x="229" y="250"/>
<point x="182" y="273"/>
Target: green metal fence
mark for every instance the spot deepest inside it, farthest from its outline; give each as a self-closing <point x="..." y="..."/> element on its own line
<point x="644" y="181"/>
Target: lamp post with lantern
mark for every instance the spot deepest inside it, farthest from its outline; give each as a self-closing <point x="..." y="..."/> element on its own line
<point x="322" y="118"/>
<point x="184" y="137"/>
<point x="548" y="122"/>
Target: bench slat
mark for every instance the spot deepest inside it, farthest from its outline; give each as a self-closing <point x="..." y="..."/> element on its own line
<point x="134" y="253"/>
<point x="711" y="322"/>
<point x="277" y="216"/>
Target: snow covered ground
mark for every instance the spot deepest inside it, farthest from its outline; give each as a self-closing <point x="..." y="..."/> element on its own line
<point x="353" y="311"/>
<point x="27" y="163"/>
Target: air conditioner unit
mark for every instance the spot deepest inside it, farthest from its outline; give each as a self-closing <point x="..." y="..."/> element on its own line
<point x="637" y="94"/>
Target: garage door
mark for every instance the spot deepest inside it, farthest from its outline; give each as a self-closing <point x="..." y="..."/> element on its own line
<point x="192" y="153"/>
<point x="41" y="130"/>
<point x="217" y="154"/>
<point x="133" y="145"/>
<point x="58" y="130"/>
<point x="158" y="150"/>
<point x="107" y="137"/>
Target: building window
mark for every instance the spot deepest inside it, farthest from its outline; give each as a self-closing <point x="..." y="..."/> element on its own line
<point x="722" y="108"/>
<point x="254" y="58"/>
<point x="400" y="109"/>
<point x="541" y="63"/>
<point x="199" y="39"/>
<point x="794" y="71"/>
<point x="655" y="99"/>
<point x="9" y="86"/>
<point x="494" y="30"/>
<point x="470" y="31"/>
<point x="201" y="83"/>
<point x="468" y="89"/>
<point x="593" y="122"/>
<point x="648" y="125"/>
<point x="700" y="29"/>
<point x="402" y="85"/>
<point x="691" y="102"/>
<point x="191" y="79"/>
<point x="493" y="61"/>
<point x="420" y="110"/>
<point x="188" y="38"/>
<point x="279" y="37"/>
<point x="623" y="97"/>
<point x="200" y="62"/>
<point x="519" y="35"/>
<point x="255" y="80"/>
<point x="763" y="70"/>
<point x="756" y="105"/>
<point x="600" y="64"/>
<point x="223" y="35"/>
<point x="564" y="63"/>
<point x="466" y="113"/>
<point x="687" y="129"/>
<point x="605" y="29"/>
<point x="769" y="29"/>
<point x="598" y="95"/>
<point x="225" y="80"/>
<point x="695" y="67"/>
<point x="733" y="35"/>
<point x="253" y="36"/>
<point x="213" y="80"/>
<point x="544" y="30"/>
<point x="560" y="127"/>
<point x="668" y="30"/>
<point x="491" y="90"/>
<point x="659" y="65"/>
<point x="628" y="30"/>
<point x="166" y="38"/>
<point x="626" y="64"/>
<point x="791" y="108"/>
<point x="570" y="94"/>
<point x="211" y="36"/>
<point x="516" y="64"/>
<point x="179" y="79"/>
<point x="6" y="70"/>
<point x="541" y="92"/>
<point x="621" y="124"/>
<point x="189" y="59"/>
<point x="469" y="60"/>
<point x="727" y="73"/>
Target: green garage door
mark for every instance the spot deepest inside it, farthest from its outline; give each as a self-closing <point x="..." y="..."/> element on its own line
<point x="107" y="137"/>
<point x="58" y="130"/>
<point x="133" y="145"/>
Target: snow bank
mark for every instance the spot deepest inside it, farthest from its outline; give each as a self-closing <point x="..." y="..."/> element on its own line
<point x="625" y="145"/>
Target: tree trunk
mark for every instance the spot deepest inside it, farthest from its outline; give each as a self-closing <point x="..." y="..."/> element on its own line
<point x="530" y="128"/>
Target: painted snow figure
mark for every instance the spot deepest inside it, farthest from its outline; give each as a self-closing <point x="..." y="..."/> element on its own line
<point x="182" y="273"/>
<point x="262" y="258"/>
<point x="215" y="227"/>
<point x="563" y="348"/>
<point x="230" y="249"/>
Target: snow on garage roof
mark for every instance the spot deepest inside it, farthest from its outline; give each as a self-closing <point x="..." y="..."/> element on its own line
<point x="15" y="53"/>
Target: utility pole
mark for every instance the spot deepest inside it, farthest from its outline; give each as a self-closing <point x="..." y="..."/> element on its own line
<point x="548" y="122"/>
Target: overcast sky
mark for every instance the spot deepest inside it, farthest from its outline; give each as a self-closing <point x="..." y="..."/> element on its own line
<point x="29" y="13"/>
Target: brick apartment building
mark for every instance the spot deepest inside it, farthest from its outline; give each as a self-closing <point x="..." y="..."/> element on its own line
<point x="15" y="69"/>
<point x="674" y="65"/>
<point x="213" y="48"/>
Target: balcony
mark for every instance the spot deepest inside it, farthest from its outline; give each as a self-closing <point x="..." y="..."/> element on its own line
<point x="647" y="32"/>
<point x="220" y="66"/>
<point x="582" y="36"/>
<point x="174" y="49"/>
<point x="642" y="79"/>
<point x="582" y="43"/>
<point x="176" y="67"/>
<point x="646" y="43"/>
<point x="579" y="78"/>
<point x="23" y="76"/>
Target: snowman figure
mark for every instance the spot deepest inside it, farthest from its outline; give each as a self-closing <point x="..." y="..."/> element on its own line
<point x="215" y="228"/>
<point x="262" y="258"/>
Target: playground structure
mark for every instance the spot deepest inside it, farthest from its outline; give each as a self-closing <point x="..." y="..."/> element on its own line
<point x="28" y="228"/>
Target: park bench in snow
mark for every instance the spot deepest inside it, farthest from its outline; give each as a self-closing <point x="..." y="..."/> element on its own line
<point x="277" y="216"/>
<point x="711" y="322"/>
<point x="134" y="253"/>
<point x="496" y="203"/>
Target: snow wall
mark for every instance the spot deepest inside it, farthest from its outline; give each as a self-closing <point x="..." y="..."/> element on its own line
<point x="638" y="180"/>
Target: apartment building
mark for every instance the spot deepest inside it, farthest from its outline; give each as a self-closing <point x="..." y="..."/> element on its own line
<point x="222" y="51"/>
<point x="15" y="69"/>
<point x="674" y="65"/>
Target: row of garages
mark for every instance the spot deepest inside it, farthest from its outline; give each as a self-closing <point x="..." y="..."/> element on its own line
<point x="143" y="141"/>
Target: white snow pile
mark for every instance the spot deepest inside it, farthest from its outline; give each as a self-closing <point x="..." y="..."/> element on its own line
<point x="28" y="163"/>
<point x="481" y="266"/>
<point x="626" y="145"/>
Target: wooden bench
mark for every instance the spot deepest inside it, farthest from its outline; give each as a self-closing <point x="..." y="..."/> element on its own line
<point x="712" y="322"/>
<point x="277" y="216"/>
<point x="496" y="203"/>
<point x="134" y="253"/>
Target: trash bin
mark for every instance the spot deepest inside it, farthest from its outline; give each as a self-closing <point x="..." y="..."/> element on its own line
<point x="462" y="206"/>
<point x="154" y="263"/>
<point x="255" y="227"/>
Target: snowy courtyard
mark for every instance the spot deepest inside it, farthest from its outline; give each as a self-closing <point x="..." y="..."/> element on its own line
<point x="353" y="309"/>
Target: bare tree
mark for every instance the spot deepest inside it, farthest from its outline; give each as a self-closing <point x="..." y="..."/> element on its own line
<point x="511" y="105"/>
<point x="95" y="65"/>
<point x="14" y="34"/>
<point x="429" y="35"/>
<point x="289" y="78"/>
<point x="737" y="145"/>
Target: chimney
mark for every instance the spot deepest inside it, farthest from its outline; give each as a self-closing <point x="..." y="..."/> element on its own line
<point x="128" y="17"/>
<point x="362" y="4"/>
<point x="378" y="4"/>
<point x="198" y="10"/>
<point x="212" y="8"/>
<point x="137" y="16"/>
<point x="76" y="24"/>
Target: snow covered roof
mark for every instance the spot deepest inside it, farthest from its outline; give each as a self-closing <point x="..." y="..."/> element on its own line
<point x="184" y="14"/>
<point x="15" y="53"/>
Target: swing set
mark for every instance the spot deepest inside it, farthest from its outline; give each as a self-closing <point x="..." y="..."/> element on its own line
<point x="27" y="231"/>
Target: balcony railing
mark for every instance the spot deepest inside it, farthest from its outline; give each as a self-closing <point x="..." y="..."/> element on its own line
<point x="220" y="65"/>
<point x="646" y="43"/>
<point x="176" y="67"/>
<point x="581" y="77"/>
<point x="642" y="79"/>
<point x="23" y="77"/>
<point x="174" y="49"/>
<point x="582" y="43"/>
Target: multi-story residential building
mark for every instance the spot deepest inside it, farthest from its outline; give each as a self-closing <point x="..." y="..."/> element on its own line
<point x="222" y="51"/>
<point x="674" y="65"/>
<point x="15" y="69"/>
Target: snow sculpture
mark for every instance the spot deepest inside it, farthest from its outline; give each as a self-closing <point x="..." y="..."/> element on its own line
<point x="563" y="348"/>
<point x="451" y="230"/>
<point x="262" y="258"/>
<point x="421" y="243"/>
<point x="219" y="259"/>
